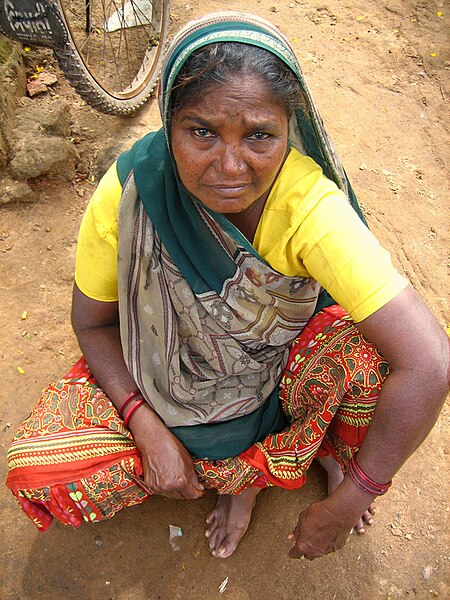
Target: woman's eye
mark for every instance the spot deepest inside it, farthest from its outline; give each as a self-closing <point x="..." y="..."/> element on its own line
<point x="203" y="133"/>
<point x="259" y="136"/>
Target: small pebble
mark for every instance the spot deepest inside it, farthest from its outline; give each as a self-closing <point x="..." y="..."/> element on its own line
<point x="396" y="531"/>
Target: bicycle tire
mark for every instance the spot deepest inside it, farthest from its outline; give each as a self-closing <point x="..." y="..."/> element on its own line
<point x="83" y="59"/>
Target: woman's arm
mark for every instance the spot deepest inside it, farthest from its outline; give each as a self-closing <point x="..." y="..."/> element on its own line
<point x="168" y="467"/>
<point x="417" y="350"/>
<point x="96" y="325"/>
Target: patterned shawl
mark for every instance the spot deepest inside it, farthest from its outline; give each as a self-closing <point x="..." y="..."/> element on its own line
<point x="205" y="322"/>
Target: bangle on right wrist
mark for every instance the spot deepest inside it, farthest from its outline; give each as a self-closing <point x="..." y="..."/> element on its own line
<point x="132" y="410"/>
<point x="126" y="401"/>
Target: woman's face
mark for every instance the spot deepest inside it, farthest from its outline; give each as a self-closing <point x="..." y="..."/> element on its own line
<point x="230" y="144"/>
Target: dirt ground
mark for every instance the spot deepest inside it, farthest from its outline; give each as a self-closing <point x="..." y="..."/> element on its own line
<point x="378" y="70"/>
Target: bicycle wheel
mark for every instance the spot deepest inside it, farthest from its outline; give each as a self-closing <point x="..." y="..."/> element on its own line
<point x="114" y="50"/>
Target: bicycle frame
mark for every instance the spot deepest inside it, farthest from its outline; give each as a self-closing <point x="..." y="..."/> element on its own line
<point x="34" y="22"/>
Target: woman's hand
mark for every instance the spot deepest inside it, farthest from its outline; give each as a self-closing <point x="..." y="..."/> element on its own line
<point x="417" y="350"/>
<point x="318" y="532"/>
<point x="168" y="466"/>
<point x="325" y="526"/>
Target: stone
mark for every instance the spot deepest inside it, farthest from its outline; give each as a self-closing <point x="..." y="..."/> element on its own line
<point x="105" y="158"/>
<point x="38" y="84"/>
<point x="49" y="116"/>
<point x="12" y="192"/>
<point x="47" y="78"/>
<point x="35" y="87"/>
<point x="82" y="169"/>
<point x="13" y="81"/>
<point x="39" y="144"/>
<point x="43" y="155"/>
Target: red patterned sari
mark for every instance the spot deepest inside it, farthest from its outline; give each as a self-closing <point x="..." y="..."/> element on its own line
<point x="73" y="459"/>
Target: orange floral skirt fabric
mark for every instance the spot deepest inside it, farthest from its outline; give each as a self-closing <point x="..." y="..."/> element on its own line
<point x="74" y="460"/>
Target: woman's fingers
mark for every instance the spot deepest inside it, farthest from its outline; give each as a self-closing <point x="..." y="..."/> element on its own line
<point x="195" y="481"/>
<point x="295" y="552"/>
<point x="316" y="533"/>
<point x="182" y="486"/>
<point x="193" y="490"/>
<point x="168" y="466"/>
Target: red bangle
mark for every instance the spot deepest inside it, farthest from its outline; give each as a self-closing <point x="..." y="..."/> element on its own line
<point x="131" y="396"/>
<point x="132" y="410"/>
<point x="364" y="482"/>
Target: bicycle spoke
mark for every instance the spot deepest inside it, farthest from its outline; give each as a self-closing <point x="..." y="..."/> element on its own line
<point x="115" y="39"/>
<point x="119" y="45"/>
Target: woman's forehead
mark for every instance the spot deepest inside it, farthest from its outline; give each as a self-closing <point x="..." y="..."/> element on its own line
<point x="246" y="98"/>
<point x="238" y="88"/>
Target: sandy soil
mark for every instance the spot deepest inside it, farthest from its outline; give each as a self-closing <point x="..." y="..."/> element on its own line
<point x="378" y="72"/>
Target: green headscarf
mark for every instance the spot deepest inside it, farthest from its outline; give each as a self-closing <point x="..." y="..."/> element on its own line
<point x="307" y="132"/>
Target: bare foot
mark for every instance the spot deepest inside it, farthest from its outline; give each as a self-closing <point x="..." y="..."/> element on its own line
<point x="335" y="476"/>
<point x="229" y="520"/>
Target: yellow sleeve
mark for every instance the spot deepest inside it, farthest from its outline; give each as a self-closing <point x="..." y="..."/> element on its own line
<point x="96" y="257"/>
<point x="346" y="259"/>
<point x="309" y="229"/>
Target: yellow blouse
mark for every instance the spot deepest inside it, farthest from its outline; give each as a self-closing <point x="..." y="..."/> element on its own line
<point x="307" y="229"/>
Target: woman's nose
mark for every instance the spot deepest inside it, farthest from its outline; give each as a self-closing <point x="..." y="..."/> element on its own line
<point x="232" y="162"/>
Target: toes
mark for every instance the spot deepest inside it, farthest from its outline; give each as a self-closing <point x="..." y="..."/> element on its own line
<point x="217" y="512"/>
<point x="215" y="534"/>
<point x="368" y="518"/>
<point x="214" y="526"/>
<point x="222" y="544"/>
<point x="228" y="523"/>
<point x="215" y="541"/>
<point x="211" y="526"/>
<point x="211" y="518"/>
<point x="216" y="538"/>
<point x="226" y="548"/>
<point x="220" y="553"/>
<point x="360" y="528"/>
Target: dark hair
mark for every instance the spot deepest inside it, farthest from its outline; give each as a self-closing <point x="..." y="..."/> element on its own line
<point x="222" y="62"/>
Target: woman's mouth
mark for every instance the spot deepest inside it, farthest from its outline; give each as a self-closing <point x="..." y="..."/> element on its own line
<point x="229" y="190"/>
